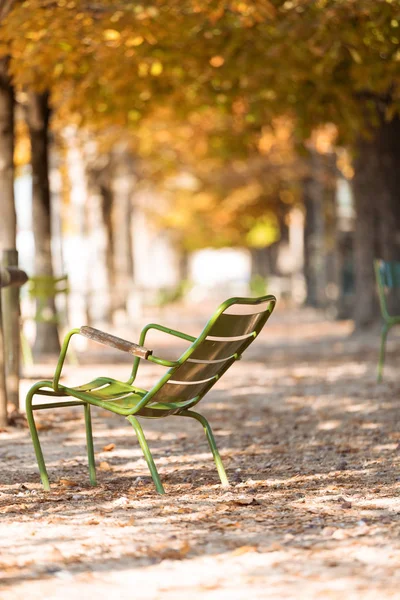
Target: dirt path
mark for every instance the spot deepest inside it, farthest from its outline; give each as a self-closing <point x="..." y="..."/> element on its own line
<point x="311" y="445"/>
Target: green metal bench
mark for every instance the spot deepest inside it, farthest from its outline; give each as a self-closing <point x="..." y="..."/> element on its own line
<point x="387" y="275"/>
<point x="231" y="329"/>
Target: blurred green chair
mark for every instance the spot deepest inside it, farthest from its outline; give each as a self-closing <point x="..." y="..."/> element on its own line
<point x="387" y="275"/>
<point x="231" y="329"/>
<point x="41" y="290"/>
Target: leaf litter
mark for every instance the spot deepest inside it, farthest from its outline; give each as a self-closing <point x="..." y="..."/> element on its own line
<point x="312" y="456"/>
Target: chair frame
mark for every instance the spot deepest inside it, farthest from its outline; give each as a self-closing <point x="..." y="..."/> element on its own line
<point x="388" y="320"/>
<point x="54" y="388"/>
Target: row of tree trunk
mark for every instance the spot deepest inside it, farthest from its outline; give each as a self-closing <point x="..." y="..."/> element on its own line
<point x="375" y="185"/>
<point x="338" y="264"/>
<point x="377" y="205"/>
<point x="110" y="183"/>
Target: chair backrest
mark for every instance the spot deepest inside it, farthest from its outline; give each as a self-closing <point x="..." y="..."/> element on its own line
<point x="231" y="329"/>
<point x="387" y="275"/>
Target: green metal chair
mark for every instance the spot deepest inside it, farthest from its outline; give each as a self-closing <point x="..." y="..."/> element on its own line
<point x="388" y="281"/>
<point x="231" y="329"/>
<point x="43" y="289"/>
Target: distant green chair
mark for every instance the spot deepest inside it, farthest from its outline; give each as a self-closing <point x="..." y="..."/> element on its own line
<point x="231" y="329"/>
<point x="41" y="289"/>
<point x="388" y="281"/>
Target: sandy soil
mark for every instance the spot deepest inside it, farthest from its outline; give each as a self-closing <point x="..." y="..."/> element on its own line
<point x="311" y="444"/>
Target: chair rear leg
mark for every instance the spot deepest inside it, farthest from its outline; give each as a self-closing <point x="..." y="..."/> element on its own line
<point x="385" y="331"/>
<point x="89" y="444"/>
<point x="35" y="439"/>
<point x="147" y="454"/>
<point x="211" y="441"/>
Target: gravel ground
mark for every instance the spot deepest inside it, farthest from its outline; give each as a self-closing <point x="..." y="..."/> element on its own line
<point x="311" y="444"/>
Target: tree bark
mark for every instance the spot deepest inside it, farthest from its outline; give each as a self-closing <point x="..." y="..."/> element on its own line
<point x="107" y="202"/>
<point x="38" y="117"/>
<point x="377" y="193"/>
<point x="8" y="221"/>
<point x="98" y="225"/>
<point x="3" y="388"/>
<point x="320" y="231"/>
<point x="309" y="241"/>
<point x="183" y="264"/>
<point x="314" y="232"/>
<point x="260" y="260"/>
<point x="122" y="190"/>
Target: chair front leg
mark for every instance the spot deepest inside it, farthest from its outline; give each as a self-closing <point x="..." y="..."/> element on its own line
<point x="35" y="438"/>
<point x="89" y="445"/>
<point x="147" y="454"/>
<point x="211" y="442"/>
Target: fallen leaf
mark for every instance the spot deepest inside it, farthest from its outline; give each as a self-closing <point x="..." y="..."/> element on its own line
<point x="245" y="501"/>
<point x="14" y="508"/>
<point x="67" y="482"/>
<point x="165" y="552"/>
<point x="44" y="426"/>
<point x="243" y="550"/>
<point x="127" y="523"/>
<point x="108" y="448"/>
<point x="104" y="466"/>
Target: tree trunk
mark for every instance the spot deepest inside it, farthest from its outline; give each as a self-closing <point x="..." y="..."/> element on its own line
<point x="260" y="259"/>
<point x="309" y="250"/>
<point x="8" y="221"/>
<point x="183" y="264"/>
<point x="122" y="189"/>
<point x="376" y="191"/>
<point x="106" y="212"/>
<point x="314" y="232"/>
<point x="3" y="388"/>
<point x="37" y="117"/>
<point x="99" y="309"/>
<point x="320" y="231"/>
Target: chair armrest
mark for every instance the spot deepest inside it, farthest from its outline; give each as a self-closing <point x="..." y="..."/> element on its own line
<point x="168" y="330"/>
<point x="115" y="342"/>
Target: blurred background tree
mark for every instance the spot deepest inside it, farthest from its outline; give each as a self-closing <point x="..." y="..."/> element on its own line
<point x="218" y="124"/>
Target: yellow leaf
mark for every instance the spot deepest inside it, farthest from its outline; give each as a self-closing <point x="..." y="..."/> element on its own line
<point x="134" y="41"/>
<point x="355" y="56"/>
<point x="111" y="35"/>
<point x="143" y="69"/>
<point x="156" y="68"/>
<point x="58" y="69"/>
<point x="133" y="115"/>
<point x="217" y="61"/>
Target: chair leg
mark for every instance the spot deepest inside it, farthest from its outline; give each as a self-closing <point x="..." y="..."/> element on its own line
<point x="211" y="441"/>
<point x="35" y="439"/>
<point x="147" y="454"/>
<point x="89" y="444"/>
<point x="385" y="331"/>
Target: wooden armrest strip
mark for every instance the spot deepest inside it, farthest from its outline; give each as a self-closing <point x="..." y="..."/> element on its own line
<point x="115" y="342"/>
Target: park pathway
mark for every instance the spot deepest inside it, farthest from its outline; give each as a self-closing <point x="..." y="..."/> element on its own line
<point x="311" y="444"/>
